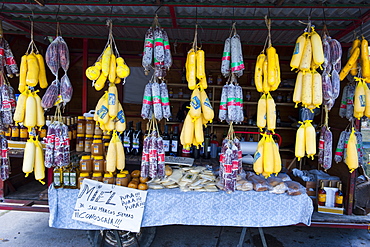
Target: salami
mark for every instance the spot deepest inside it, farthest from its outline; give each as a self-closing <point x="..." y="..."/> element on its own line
<point x="226" y="58"/>
<point x="237" y="63"/>
<point x="328" y="149"/>
<point x="160" y="159"/>
<point x="339" y="151"/>
<point x="321" y="146"/>
<point x="335" y="83"/>
<point x="5" y="164"/>
<point x="167" y="50"/>
<point x="326" y="49"/>
<point x="153" y="157"/>
<point x="49" y="149"/>
<point x="51" y="95"/>
<point x="63" y="52"/>
<point x="231" y="104"/>
<point x="360" y="147"/>
<point x="52" y="57"/>
<point x="146" y="109"/>
<point x="343" y="102"/>
<point x="158" y="48"/>
<point x="222" y="113"/>
<point x="145" y="157"/>
<point x="335" y="52"/>
<point x="327" y="87"/>
<point x="165" y="101"/>
<point x="148" y="49"/>
<point x="7" y="59"/>
<point x="239" y="103"/>
<point x="157" y="105"/>
<point x="66" y="89"/>
<point x="350" y="96"/>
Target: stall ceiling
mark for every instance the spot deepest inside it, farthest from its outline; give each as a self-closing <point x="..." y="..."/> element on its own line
<point x="87" y="19"/>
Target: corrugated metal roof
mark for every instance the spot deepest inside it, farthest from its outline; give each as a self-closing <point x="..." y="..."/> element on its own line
<point x="178" y="17"/>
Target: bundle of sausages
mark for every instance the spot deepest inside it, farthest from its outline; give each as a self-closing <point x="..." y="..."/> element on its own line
<point x="156" y="101"/>
<point x="331" y="66"/>
<point x="56" y="57"/>
<point x="4" y="162"/>
<point x="231" y="104"/>
<point x="230" y="163"/>
<point x="232" y="58"/>
<point x="7" y="103"/>
<point x="340" y="151"/>
<point x="7" y="59"/>
<point x="57" y="151"/>
<point x="325" y="147"/>
<point x="152" y="162"/>
<point x="157" y="51"/>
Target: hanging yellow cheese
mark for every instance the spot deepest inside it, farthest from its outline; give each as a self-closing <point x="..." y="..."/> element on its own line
<point x="258" y="72"/>
<point x="306" y="56"/>
<point x="300" y="142"/>
<point x="271" y="65"/>
<point x="297" y="95"/>
<point x="261" y="112"/>
<point x="310" y="138"/>
<point x="270" y="113"/>
<point x="298" y="51"/>
<point x="351" y="158"/>
<point x="258" y="157"/>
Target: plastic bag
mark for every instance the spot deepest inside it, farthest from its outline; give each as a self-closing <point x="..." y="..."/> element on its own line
<point x="259" y="183"/>
<point x="66" y="89"/>
<point x="51" y="95"/>
<point x="295" y="188"/>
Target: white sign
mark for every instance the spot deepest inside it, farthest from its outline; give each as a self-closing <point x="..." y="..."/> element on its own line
<point x="110" y="206"/>
<point x="178" y="160"/>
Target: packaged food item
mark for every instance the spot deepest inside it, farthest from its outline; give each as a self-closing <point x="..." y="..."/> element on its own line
<point x="295" y="188"/>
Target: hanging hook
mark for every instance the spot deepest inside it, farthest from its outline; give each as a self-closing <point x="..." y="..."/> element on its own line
<point x="156" y="11"/>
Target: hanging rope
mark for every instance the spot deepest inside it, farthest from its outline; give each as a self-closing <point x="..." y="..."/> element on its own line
<point x="268" y="25"/>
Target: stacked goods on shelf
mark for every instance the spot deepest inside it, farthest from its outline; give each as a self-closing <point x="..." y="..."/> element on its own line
<point x="267" y="79"/>
<point x="232" y="66"/>
<point x="157" y="51"/>
<point x="267" y="157"/>
<point x="109" y="66"/>
<point x="200" y="110"/>
<point x="230" y="162"/>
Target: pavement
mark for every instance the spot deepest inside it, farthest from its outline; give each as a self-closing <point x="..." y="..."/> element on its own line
<point x="30" y="229"/>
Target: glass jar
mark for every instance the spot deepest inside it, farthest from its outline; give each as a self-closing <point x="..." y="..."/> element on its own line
<point x="97" y="176"/>
<point x="128" y="175"/>
<point x="73" y="177"/>
<point x="97" y="147"/>
<point x="90" y="126"/>
<point x="98" y="164"/>
<point x="88" y="142"/>
<point x="83" y="175"/>
<point x="98" y="130"/>
<point x="122" y="180"/>
<point x="81" y="125"/>
<point x="86" y="163"/>
<point x="80" y="147"/>
<point x="57" y="177"/>
<point x="108" y="178"/>
<point x="15" y="133"/>
<point x="23" y="133"/>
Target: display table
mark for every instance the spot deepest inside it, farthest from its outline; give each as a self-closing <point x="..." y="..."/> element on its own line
<point x="171" y="206"/>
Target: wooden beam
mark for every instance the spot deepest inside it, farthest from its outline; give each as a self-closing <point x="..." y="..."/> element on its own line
<point x="173" y="16"/>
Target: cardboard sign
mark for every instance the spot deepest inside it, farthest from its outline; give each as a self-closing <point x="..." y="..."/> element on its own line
<point x="110" y="206"/>
<point x="179" y="161"/>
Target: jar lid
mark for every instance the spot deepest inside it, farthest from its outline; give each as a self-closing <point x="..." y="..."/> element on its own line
<point x="106" y="137"/>
<point x="97" y="141"/>
<point x="97" y="136"/>
<point x="89" y="136"/>
<point x="80" y="135"/>
<point x="125" y="172"/>
<point x="81" y="118"/>
<point x="98" y="157"/>
<point x="107" y="175"/>
<point x="121" y="175"/>
<point x="96" y="174"/>
<point x="84" y="174"/>
<point x="89" y="118"/>
<point x="86" y="157"/>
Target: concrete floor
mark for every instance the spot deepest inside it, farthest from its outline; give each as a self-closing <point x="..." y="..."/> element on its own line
<point x="30" y="229"/>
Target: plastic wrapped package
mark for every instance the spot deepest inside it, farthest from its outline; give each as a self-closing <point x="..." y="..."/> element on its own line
<point x="284" y="177"/>
<point x="244" y="185"/>
<point x="295" y="188"/>
<point x="66" y="89"/>
<point x="51" y="95"/>
<point x="259" y="183"/>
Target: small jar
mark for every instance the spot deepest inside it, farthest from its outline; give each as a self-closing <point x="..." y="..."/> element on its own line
<point x="97" y="147"/>
<point x="80" y="147"/>
<point x="86" y="164"/>
<point x="83" y="175"/>
<point x="128" y="175"/>
<point x="81" y="125"/>
<point x="97" y="176"/>
<point x="108" y="178"/>
<point x="98" y="130"/>
<point x="98" y="164"/>
<point x="90" y="126"/>
<point x="122" y="180"/>
<point x="15" y="133"/>
<point x="23" y="133"/>
<point x="88" y="142"/>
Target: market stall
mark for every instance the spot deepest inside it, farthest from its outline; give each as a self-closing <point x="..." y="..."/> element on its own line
<point x="216" y="82"/>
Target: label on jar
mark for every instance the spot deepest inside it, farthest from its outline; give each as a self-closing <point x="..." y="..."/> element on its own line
<point x="23" y="133"/>
<point x="89" y="126"/>
<point x="81" y="144"/>
<point x="80" y="127"/>
<point x="118" y="182"/>
<point x="96" y="166"/>
<point x="83" y="166"/>
<point x="66" y="178"/>
<point x="96" y="149"/>
<point x="126" y="141"/>
<point x="72" y="179"/>
<point x="135" y="143"/>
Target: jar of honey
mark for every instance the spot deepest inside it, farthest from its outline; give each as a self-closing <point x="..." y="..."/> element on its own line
<point x="90" y="126"/>
<point x="81" y="125"/>
<point x="97" y="176"/>
<point x="86" y="164"/>
<point x="97" y="147"/>
<point x="97" y="130"/>
<point x="80" y="147"/>
<point x="88" y="142"/>
<point x="122" y="180"/>
<point x="108" y="178"/>
<point x="83" y="175"/>
<point x="98" y="164"/>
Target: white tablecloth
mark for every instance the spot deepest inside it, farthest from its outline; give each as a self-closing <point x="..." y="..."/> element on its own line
<point x="171" y="206"/>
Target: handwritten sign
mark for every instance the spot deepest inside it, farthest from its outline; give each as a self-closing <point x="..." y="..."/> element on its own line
<point x="110" y="206"/>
